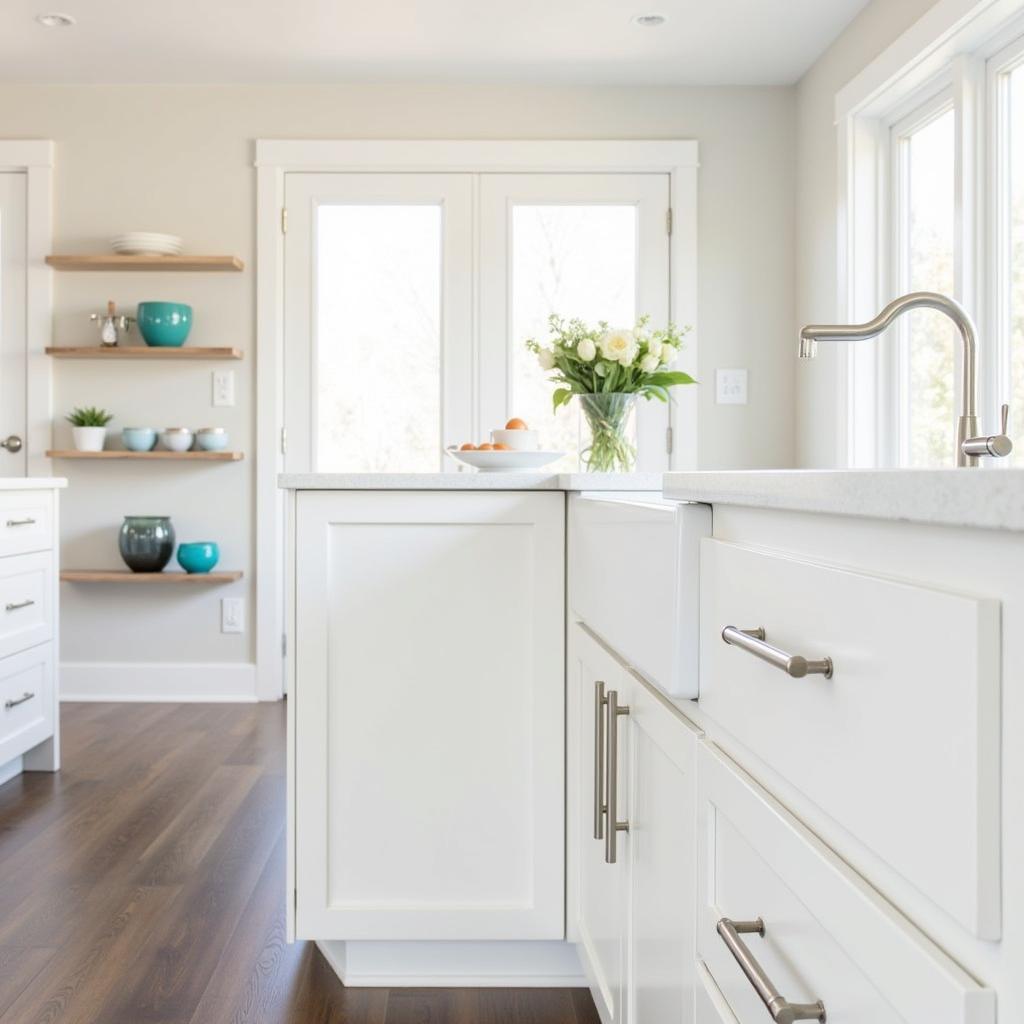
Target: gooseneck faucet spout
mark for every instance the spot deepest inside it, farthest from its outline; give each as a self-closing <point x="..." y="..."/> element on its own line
<point x="968" y="446"/>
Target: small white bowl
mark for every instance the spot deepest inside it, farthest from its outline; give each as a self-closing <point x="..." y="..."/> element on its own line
<point x="517" y="440"/>
<point x="177" y="439"/>
<point x="212" y="439"/>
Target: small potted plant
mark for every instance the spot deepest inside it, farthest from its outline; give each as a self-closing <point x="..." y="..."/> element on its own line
<point x="89" y="427"/>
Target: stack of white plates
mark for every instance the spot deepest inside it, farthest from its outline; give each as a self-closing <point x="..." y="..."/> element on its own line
<point x="146" y="243"/>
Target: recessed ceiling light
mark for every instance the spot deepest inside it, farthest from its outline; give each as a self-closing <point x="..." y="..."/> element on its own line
<point x="55" y="20"/>
<point x="650" y="20"/>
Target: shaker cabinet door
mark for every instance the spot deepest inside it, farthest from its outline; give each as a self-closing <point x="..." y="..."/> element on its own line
<point x="429" y="715"/>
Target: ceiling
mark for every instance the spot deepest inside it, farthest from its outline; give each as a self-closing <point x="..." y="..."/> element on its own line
<point x="713" y="42"/>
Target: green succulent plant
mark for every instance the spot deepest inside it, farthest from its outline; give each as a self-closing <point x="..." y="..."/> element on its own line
<point x="89" y="416"/>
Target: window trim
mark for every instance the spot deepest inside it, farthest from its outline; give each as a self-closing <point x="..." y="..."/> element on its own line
<point x="947" y="48"/>
<point x="273" y="158"/>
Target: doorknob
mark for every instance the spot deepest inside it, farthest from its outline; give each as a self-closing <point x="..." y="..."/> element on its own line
<point x="12" y="444"/>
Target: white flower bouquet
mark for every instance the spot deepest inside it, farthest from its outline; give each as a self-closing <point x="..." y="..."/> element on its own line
<point x="608" y="367"/>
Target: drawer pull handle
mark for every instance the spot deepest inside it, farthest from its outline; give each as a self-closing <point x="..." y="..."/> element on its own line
<point x="611" y="785"/>
<point x="8" y="704"/>
<point x="600" y="808"/>
<point x="781" y="1010"/>
<point x="15" y="605"/>
<point x="795" y="665"/>
<point x="21" y="522"/>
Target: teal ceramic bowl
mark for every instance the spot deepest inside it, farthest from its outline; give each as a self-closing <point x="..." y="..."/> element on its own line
<point x="198" y="555"/>
<point x="164" y="324"/>
<point x="139" y="439"/>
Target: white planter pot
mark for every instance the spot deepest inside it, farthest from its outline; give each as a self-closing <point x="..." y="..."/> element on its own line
<point x="89" y="439"/>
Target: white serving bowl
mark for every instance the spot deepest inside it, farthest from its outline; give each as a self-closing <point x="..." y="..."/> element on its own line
<point x="504" y="462"/>
<point x="146" y="243"/>
<point x="519" y="440"/>
<point x="177" y="439"/>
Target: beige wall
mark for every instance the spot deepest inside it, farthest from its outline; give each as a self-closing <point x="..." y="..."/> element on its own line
<point x="179" y="159"/>
<point x="878" y="25"/>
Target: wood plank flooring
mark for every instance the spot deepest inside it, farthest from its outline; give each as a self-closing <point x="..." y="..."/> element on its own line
<point x="144" y="884"/>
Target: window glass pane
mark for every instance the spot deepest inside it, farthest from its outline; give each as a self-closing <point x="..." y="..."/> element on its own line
<point x="1016" y="254"/>
<point x="579" y="262"/>
<point x="378" y="338"/>
<point x="929" y="360"/>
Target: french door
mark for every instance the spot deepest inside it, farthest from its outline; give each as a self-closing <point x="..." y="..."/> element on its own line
<point x="13" y="351"/>
<point x="409" y="298"/>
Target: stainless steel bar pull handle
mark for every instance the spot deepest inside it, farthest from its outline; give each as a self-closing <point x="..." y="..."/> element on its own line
<point x="795" y="665"/>
<point x="600" y="702"/>
<point x="15" y="605"/>
<point x="781" y="1010"/>
<point x="611" y="787"/>
<point x="8" y="704"/>
<point x="21" y="522"/>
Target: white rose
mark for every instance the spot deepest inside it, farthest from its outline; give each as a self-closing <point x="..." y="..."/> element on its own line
<point x="654" y="347"/>
<point x="586" y="350"/>
<point x="649" y="363"/>
<point x="619" y="346"/>
<point x="546" y="358"/>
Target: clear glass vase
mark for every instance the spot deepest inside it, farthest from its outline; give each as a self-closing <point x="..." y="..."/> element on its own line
<point x="610" y="449"/>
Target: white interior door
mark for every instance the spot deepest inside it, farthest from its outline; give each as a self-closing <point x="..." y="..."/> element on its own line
<point x="13" y="352"/>
<point x="588" y="246"/>
<point x="378" y="284"/>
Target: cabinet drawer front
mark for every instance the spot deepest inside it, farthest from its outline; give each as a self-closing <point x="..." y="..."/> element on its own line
<point x="900" y="743"/>
<point x="624" y="547"/>
<point x="26" y="522"/>
<point x="26" y="586"/>
<point x="26" y="700"/>
<point x="828" y="936"/>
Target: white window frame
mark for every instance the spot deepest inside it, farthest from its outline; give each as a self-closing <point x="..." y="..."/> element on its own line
<point x="944" y="53"/>
<point x="274" y="158"/>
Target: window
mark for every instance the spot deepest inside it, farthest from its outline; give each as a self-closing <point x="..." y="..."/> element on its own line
<point x="932" y="198"/>
<point x="922" y="376"/>
<point x="409" y="298"/>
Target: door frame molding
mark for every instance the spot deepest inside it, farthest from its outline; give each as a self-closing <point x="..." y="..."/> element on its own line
<point x="34" y="159"/>
<point x="274" y="158"/>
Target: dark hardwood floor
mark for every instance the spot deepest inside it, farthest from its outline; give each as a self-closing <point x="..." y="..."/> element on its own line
<point x="144" y="884"/>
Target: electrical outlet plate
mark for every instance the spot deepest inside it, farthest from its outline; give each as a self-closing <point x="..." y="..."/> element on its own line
<point x="223" y="387"/>
<point x="731" y="387"/>
<point x="232" y="615"/>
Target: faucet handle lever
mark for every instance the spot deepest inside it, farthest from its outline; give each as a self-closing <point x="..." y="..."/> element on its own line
<point x="1004" y="418"/>
<point x="996" y="446"/>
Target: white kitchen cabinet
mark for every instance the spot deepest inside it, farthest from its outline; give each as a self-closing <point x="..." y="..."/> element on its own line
<point x="635" y="920"/>
<point x="429" y="715"/>
<point x="602" y="888"/>
<point x="662" y="861"/>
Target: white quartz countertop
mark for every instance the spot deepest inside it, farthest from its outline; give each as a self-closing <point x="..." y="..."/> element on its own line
<point x="989" y="498"/>
<point x="470" y="481"/>
<point x="31" y="483"/>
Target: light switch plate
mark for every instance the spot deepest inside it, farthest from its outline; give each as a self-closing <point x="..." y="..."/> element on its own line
<point x="731" y="387"/>
<point x="232" y="615"/>
<point x="223" y="387"/>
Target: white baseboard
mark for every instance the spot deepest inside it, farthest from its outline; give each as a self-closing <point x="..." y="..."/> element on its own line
<point x="213" y="682"/>
<point x="454" y="964"/>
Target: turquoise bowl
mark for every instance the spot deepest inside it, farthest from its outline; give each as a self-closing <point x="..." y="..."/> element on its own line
<point x="164" y="324"/>
<point x="139" y="439"/>
<point x="198" y="555"/>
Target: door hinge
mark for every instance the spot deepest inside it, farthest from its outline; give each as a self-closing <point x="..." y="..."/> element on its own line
<point x="284" y="440"/>
<point x="284" y="220"/>
<point x="284" y="645"/>
<point x="668" y="221"/>
<point x="668" y="440"/>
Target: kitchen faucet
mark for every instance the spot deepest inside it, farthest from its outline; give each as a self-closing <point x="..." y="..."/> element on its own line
<point x="968" y="445"/>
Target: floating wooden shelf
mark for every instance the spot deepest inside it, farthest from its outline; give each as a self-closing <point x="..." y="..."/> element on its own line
<point x="142" y="352"/>
<point x="127" y="576"/>
<point x="155" y="456"/>
<point x="111" y="261"/>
